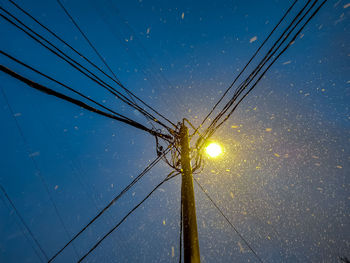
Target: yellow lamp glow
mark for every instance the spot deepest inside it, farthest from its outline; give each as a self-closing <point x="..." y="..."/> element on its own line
<point x="213" y="150"/>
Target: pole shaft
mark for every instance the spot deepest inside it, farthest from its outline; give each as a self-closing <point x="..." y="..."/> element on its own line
<point x="190" y="234"/>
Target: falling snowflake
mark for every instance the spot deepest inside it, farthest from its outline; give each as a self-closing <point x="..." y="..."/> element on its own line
<point x="253" y="39"/>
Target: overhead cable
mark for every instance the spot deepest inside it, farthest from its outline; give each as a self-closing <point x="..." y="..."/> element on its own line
<point x="212" y="128"/>
<point x="257" y="69"/>
<point x="115" y="199"/>
<point x="228" y="221"/>
<point x="24" y="224"/>
<point x="78" y="66"/>
<point x="38" y="172"/>
<point x="126" y="216"/>
<point x="80" y="103"/>
<point x="274" y="60"/>
<point x="250" y="60"/>
<point x="116" y="80"/>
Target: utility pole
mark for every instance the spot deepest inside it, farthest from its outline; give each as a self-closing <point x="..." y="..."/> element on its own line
<point x="190" y="233"/>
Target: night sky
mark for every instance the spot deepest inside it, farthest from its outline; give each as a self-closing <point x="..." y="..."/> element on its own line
<point x="283" y="180"/>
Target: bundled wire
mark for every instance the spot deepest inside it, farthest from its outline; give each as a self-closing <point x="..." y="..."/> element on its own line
<point x="80" y="103"/>
<point x="231" y="106"/>
<point x="116" y="80"/>
<point x="247" y="81"/>
<point x="167" y="178"/>
<point x="131" y="95"/>
<point x="58" y="52"/>
<point x="250" y="60"/>
<point x="115" y="199"/>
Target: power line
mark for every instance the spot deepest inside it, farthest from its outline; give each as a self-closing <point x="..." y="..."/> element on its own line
<point x="87" y="39"/>
<point x="211" y="128"/>
<point x="36" y="167"/>
<point x="254" y="55"/>
<point x="265" y="59"/>
<point x="126" y="216"/>
<point x="115" y="199"/>
<point x="139" y="53"/>
<point x="103" y="59"/>
<point x="228" y="221"/>
<point x="67" y="87"/>
<point x="60" y="83"/>
<point x="286" y="47"/>
<point x="254" y="73"/>
<point x="90" y="62"/>
<point x="80" y="103"/>
<point x="93" y="47"/>
<point x="78" y="66"/>
<point x="24" y="224"/>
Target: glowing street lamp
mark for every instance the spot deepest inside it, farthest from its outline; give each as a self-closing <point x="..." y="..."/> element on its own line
<point x="213" y="149"/>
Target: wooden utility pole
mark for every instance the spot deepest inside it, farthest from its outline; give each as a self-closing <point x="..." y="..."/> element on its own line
<point x="190" y="233"/>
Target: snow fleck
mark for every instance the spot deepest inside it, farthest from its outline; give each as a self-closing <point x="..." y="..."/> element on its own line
<point x="56" y="187"/>
<point x="287" y="62"/>
<point x="182" y="15"/>
<point x="76" y="128"/>
<point x="276" y="154"/>
<point x="17" y="114"/>
<point x="253" y="39"/>
<point x="241" y="248"/>
<point x="232" y="195"/>
<point x="268" y="129"/>
<point x="34" y="154"/>
<point x="148" y="30"/>
<point x="172" y="252"/>
<point x="234" y="126"/>
<point x="164" y="222"/>
<point x="339" y="166"/>
<point x="346" y="6"/>
<point x="341" y="18"/>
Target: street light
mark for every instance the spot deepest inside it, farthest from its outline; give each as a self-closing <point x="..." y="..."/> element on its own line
<point x="213" y="149"/>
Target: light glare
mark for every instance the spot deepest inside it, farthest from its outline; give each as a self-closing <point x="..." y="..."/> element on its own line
<point x="213" y="149"/>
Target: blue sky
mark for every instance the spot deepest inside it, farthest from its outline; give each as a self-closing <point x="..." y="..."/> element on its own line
<point x="283" y="180"/>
